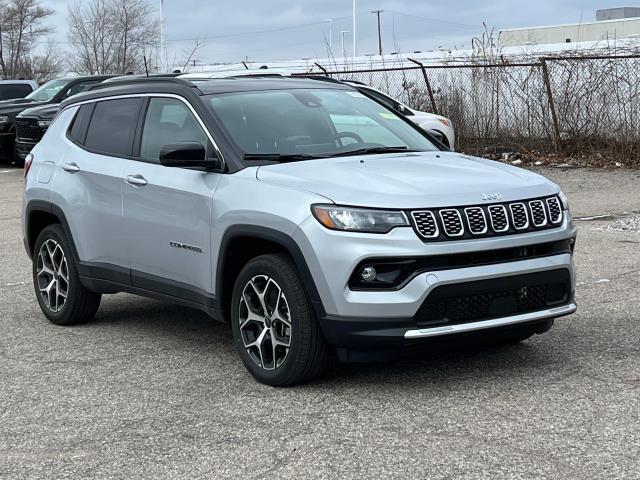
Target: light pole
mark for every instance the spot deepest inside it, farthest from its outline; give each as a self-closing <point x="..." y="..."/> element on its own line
<point x="162" y="33"/>
<point x="353" y="28"/>
<point x="342" y="32"/>
<point x="330" y="22"/>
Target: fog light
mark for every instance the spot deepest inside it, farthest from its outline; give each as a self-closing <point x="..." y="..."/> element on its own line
<point x="368" y="274"/>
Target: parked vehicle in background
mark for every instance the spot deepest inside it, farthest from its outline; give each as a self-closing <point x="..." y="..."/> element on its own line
<point x="253" y="200"/>
<point x="441" y="126"/>
<point x="33" y="122"/>
<point x="29" y="130"/>
<point x="10" y="89"/>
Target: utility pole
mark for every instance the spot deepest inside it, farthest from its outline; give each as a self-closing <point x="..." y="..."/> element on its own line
<point x="353" y="29"/>
<point x="377" y="13"/>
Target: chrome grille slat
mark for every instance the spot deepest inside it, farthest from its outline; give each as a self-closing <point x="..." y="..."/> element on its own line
<point x="426" y="224"/>
<point x="538" y="213"/>
<point x="555" y="210"/>
<point x="452" y="222"/>
<point x="519" y="216"/>
<point x="499" y="218"/>
<point x="476" y="220"/>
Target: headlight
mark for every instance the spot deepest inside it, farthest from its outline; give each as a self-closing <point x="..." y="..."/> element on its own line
<point x="564" y="200"/>
<point x="445" y="121"/>
<point x="358" y="219"/>
<point x="44" y="123"/>
<point x="4" y="119"/>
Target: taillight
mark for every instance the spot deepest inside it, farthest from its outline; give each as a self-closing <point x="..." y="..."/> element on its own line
<point x="27" y="164"/>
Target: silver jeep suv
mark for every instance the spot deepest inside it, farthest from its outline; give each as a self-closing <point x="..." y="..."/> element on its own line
<point x="312" y="218"/>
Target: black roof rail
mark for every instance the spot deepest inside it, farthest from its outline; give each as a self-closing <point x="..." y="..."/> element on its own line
<point x="143" y="80"/>
<point x="315" y="76"/>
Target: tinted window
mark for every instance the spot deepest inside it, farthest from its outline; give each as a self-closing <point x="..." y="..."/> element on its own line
<point x="113" y="125"/>
<point x="386" y="101"/>
<point x="80" y="87"/>
<point x="79" y="125"/>
<point x="168" y="121"/>
<point x="19" y="90"/>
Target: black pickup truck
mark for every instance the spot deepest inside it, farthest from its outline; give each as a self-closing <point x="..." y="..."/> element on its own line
<point x="52" y="92"/>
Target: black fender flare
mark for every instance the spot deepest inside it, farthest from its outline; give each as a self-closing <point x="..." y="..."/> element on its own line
<point x="280" y="238"/>
<point x="56" y="211"/>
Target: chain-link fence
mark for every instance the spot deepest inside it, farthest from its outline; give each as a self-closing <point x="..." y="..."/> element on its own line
<point x="567" y="105"/>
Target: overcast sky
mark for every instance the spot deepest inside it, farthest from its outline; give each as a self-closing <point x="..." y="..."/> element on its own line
<point x="284" y="30"/>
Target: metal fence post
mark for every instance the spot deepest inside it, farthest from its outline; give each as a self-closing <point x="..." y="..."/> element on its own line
<point x="552" y="106"/>
<point x="426" y="81"/>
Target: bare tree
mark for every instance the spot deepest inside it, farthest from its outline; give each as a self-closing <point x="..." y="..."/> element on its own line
<point x="111" y="36"/>
<point x="44" y="65"/>
<point x="21" y="27"/>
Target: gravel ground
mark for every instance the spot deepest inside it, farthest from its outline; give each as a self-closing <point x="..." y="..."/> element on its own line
<point x="151" y="390"/>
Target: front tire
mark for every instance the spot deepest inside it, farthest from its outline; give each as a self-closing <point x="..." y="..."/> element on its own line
<point x="274" y="329"/>
<point x="61" y="296"/>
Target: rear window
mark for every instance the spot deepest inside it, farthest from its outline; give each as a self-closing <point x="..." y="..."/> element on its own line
<point x="17" y="90"/>
<point x="112" y="126"/>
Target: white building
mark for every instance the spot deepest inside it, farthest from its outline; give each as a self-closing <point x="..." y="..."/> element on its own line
<point x="616" y="29"/>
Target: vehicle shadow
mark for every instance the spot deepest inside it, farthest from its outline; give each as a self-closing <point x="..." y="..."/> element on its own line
<point x="434" y="363"/>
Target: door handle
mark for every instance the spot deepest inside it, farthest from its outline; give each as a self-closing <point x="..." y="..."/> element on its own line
<point x="71" y="167"/>
<point x="136" y="180"/>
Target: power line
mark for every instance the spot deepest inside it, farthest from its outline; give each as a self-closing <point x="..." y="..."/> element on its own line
<point x="434" y="20"/>
<point x="256" y="32"/>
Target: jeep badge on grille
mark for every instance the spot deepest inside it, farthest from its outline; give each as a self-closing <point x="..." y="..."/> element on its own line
<point x="491" y="197"/>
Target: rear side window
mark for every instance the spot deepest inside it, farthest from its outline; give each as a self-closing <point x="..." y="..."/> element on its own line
<point x="113" y="126"/>
<point x="78" y="128"/>
<point x="18" y="90"/>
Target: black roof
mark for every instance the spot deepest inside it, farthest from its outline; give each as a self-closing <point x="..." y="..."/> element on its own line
<point x="199" y="87"/>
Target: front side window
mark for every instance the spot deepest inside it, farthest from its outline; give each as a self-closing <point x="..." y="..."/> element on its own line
<point x="168" y="121"/>
<point x="47" y="91"/>
<point x="313" y="123"/>
<point x="112" y="126"/>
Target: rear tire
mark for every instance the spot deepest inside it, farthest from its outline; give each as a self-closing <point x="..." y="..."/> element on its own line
<point x="275" y="331"/>
<point x="61" y="296"/>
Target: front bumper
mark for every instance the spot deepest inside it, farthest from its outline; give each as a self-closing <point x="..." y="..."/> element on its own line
<point x="24" y="147"/>
<point x="365" y="318"/>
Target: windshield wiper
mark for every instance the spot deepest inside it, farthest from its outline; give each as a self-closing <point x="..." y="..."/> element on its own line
<point x="373" y="150"/>
<point x="279" y="157"/>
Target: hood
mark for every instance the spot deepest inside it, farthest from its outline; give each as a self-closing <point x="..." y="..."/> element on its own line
<point x="42" y="112"/>
<point x="16" y="105"/>
<point x="409" y="180"/>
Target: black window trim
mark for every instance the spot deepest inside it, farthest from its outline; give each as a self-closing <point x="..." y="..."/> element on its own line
<point x="137" y="134"/>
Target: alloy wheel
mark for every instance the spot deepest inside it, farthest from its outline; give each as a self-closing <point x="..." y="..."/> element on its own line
<point x="52" y="275"/>
<point x="265" y="322"/>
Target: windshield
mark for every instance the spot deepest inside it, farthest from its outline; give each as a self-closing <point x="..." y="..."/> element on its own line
<point x="310" y="123"/>
<point x="47" y="91"/>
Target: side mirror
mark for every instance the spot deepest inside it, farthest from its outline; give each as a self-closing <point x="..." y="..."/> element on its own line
<point x="187" y="155"/>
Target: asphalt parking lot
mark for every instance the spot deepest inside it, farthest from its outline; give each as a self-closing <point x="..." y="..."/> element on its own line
<point x="151" y="390"/>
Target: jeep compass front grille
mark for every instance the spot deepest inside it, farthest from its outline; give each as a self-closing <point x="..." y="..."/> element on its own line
<point x="487" y="220"/>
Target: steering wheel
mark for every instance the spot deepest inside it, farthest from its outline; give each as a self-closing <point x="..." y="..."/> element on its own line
<point x="340" y="135"/>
